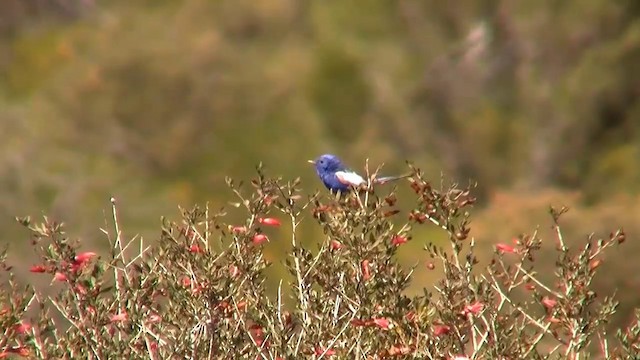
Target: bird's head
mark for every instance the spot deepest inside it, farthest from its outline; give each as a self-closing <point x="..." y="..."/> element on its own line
<point x="327" y="163"/>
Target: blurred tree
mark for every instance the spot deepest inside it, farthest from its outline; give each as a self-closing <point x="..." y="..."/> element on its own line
<point x="161" y="99"/>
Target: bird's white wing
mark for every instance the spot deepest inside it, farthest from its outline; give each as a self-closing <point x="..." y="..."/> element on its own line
<point x="350" y="178"/>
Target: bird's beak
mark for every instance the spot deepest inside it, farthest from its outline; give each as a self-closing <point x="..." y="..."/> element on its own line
<point x="311" y="162"/>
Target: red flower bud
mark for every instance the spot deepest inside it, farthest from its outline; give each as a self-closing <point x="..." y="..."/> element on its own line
<point x="269" y="221"/>
<point x="439" y="329"/>
<point x="327" y="352"/>
<point x="382" y="323"/>
<point x="366" y="271"/>
<point x="83" y="257"/>
<point x="259" y="239"/>
<point x="22" y="328"/>
<point x="242" y="305"/>
<point x="118" y="317"/>
<point x="398" y="240"/>
<point x="529" y="286"/>
<point x="81" y="289"/>
<point x="504" y="248"/>
<point x="237" y="229"/>
<point x="38" y="269"/>
<point x="473" y="309"/>
<point x="549" y="302"/>
<point x="594" y="264"/>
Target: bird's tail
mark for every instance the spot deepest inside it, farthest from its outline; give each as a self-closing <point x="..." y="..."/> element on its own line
<point x="386" y="179"/>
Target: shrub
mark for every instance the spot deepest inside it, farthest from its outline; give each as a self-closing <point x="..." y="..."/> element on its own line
<point x="199" y="290"/>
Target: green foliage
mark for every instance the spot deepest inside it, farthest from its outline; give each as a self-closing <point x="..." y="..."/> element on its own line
<point x="339" y="92"/>
<point x="36" y="59"/>
<point x="490" y="78"/>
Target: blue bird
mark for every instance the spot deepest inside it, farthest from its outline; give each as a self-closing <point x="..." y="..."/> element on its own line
<point x="336" y="177"/>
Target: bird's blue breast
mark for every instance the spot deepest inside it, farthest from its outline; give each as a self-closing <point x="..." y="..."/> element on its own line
<point x="330" y="180"/>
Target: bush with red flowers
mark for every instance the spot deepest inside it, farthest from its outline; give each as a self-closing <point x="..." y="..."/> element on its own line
<point x="199" y="290"/>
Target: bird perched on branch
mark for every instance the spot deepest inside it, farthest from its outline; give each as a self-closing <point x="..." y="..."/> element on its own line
<point x="336" y="177"/>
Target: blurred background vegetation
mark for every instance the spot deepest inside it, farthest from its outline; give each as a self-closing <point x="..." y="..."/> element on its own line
<point x="155" y="102"/>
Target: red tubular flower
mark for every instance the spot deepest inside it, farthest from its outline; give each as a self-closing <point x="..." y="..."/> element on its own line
<point x="75" y="267"/>
<point x="60" y="277"/>
<point x="83" y="257"/>
<point x="327" y="352"/>
<point x="259" y="239"/>
<point x="335" y="245"/>
<point x="81" y="289"/>
<point x="529" y="286"/>
<point x="473" y="309"/>
<point x="118" y="317"/>
<point x="195" y="249"/>
<point x="38" y="269"/>
<point x="382" y="323"/>
<point x="238" y="229"/>
<point x="549" y="302"/>
<point x="366" y="271"/>
<point x="439" y="329"/>
<point x="398" y="240"/>
<point x="22" y="328"/>
<point x="269" y="221"/>
<point x="241" y="305"/>
<point x="504" y="248"/>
